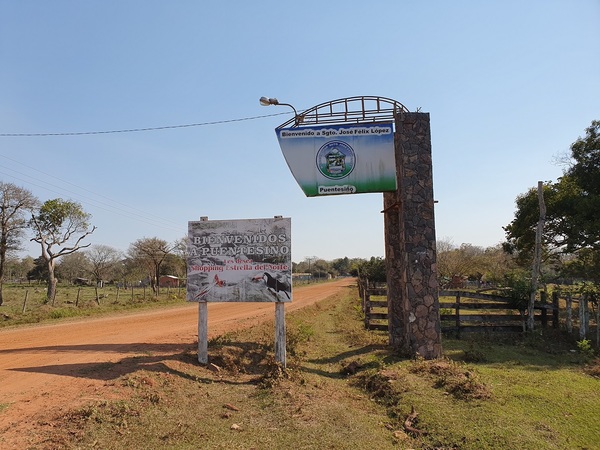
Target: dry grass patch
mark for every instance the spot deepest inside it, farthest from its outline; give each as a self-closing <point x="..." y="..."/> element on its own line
<point x="593" y="368"/>
<point x="456" y="379"/>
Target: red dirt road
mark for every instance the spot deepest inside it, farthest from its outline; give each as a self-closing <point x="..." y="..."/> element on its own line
<point x="52" y="368"/>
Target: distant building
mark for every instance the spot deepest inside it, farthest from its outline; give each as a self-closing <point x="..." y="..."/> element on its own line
<point x="168" y="281"/>
<point x="301" y="276"/>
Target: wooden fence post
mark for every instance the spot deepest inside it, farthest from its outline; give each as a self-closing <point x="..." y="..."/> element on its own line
<point x="280" y="349"/>
<point x="582" y="317"/>
<point x="367" y="303"/>
<point x="202" y="333"/>
<point x="457" y="310"/>
<point x="597" y="322"/>
<point x="77" y="299"/>
<point x="117" y="293"/>
<point x="555" y="310"/>
<point x="544" y="302"/>
<point x="97" y="297"/>
<point x="25" y="301"/>
<point x="131" y="293"/>
<point x="569" y="313"/>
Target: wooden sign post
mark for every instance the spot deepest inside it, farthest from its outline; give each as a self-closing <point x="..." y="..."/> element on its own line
<point x="280" y="349"/>
<point x="203" y="332"/>
<point x="236" y="260"/>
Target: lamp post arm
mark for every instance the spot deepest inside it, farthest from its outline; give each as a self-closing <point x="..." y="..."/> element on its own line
<point x="268" y="101"/>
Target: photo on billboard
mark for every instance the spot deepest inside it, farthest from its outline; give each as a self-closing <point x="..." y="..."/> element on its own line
<point x="242" y="260"/>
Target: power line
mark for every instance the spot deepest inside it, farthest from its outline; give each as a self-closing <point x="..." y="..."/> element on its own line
<point x="134" y="211"/>
<point x="137" y="130"/>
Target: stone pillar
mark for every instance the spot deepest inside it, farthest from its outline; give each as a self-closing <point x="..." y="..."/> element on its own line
<point x="395" y="270"/>
<point x="414" y="320"/>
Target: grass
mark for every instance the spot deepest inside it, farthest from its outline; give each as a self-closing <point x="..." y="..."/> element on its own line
<point x="26" y="304"/>
<point x="344" y="389"/>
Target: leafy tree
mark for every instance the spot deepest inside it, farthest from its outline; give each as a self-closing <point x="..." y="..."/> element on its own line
<point x="18" y="268"/>
<point x="59" y="227"/>
<point x="559" y="198"/>
<point x="321" y="269"/>
<point x="496" y="264"/>
<point x="103" y="261"/>
<point x="39" y="270"/>
<point x="72" y="266"/>
<point x="583" y="225"/>
<point x="343" y="266"/>
<point x="584" y="266"/>
<point x="572" y="205"/>
<point x="15" y="204"/>
<point x="151" y="253"/>
<point x="373" y="270"/>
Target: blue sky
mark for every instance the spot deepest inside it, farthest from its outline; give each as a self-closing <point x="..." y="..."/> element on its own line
<point x="509" y="86"/>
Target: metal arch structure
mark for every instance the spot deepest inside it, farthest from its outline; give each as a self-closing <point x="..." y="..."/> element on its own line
<point x="350" y="110"/>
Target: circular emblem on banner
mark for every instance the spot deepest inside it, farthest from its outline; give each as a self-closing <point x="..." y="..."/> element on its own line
<point x="336" y="159"/>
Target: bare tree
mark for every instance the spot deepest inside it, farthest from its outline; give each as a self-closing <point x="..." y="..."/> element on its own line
<point x="180" y="253"/>
<point x="103" y="261"/>
<point x="15" y="205"/>
<point x="59" y="227"/>
<point x="151" y="252"/>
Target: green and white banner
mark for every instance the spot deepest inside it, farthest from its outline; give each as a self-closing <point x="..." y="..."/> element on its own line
<point x="340" y="159"/>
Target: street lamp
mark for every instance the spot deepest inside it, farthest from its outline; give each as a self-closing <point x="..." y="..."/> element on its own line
<point x="268" y="101"/>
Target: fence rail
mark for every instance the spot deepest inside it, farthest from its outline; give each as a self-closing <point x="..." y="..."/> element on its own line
<point x="491" y="312"/>
<point x="477" y="311"/>
<point x="375" y="310"/>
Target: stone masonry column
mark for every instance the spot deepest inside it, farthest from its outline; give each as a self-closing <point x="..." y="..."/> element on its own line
<point x="413" y="304"/>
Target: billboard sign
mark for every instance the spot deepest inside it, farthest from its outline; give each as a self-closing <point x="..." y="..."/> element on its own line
<point x="246" y="260"/>
<point x="340" y="159"/>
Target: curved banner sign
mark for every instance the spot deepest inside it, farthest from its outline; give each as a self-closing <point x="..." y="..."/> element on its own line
<point x="245" y="260"/>
<point x="340" y="159"/>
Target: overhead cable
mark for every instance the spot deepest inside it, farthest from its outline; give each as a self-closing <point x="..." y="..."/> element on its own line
<point x="137" y="130"/>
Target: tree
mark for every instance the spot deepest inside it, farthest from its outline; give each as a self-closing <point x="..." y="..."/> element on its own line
<point x="373" y="270"/>
<point x="150" y="252"/>
<point x="572" y="205"/>
<point x="15" y="204"/>
<point x="321" y="269"/>
<point x="18" y="268"/>
<point x="572" y="222"/>
<point x="177" y="260"/>
<point x="59" y="227"/>
<point x="103" y="261"/>
<point x="459" y="262"/>
<point x="496" y="264"/>
<point x="72" y="266"/>
<point x="343" y="266"/>
<point x="559" y="199"/>
<point x="39" y="270"/>
<point x="583" y="225"/>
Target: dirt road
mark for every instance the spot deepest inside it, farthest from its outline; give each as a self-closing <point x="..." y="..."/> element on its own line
<point x="51" y="368"/>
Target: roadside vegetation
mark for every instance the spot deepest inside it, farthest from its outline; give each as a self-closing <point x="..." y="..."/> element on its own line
<point x="28" y="303"/>
<point x="343" y="388"/>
